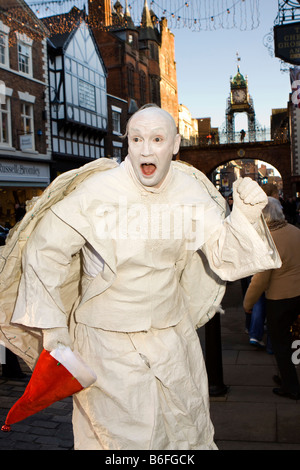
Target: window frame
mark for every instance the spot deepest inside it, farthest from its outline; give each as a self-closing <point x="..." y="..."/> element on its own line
<point x="7" y="113"/>
<point x="130" y="81"/>
<point x="116" y="121"/>
<point x="27" y="117"/>
<point x="25" y="42"/>
<point x="143" y="88"/>
<point x="86" y="95"/>
<point x="4" y="50"/>
<point x="4" y="32"/>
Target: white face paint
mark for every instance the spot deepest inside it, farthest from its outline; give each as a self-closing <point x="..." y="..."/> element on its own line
<point x="152" y="142"/>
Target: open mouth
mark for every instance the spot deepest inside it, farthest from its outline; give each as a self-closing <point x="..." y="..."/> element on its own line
<point x="148" y="169"/>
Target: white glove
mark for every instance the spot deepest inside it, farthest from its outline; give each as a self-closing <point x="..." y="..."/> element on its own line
<point x="249" y="198"/>
<point x="55" y="337"/>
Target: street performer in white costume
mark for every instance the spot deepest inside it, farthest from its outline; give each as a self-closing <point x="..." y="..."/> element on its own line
<point x="144" y="289"/>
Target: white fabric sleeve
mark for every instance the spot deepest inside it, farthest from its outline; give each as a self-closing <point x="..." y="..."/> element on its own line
<point x="45" y="265"/>
<point x="237" y="249"/>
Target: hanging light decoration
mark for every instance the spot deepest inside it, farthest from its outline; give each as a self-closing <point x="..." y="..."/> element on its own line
<point x="22" y="19"/>
<point x="198" y="15"/>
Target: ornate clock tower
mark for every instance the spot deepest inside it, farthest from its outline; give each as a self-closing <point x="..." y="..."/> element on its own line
<point x="239" y="101"/>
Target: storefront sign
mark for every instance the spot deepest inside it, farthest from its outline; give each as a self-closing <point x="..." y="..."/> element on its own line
<point x="26" y="142"/>
<point x="24" y="172"/>
<point x="287" y="42"/>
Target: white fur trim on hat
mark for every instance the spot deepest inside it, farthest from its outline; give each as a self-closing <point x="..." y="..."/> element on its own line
<point x="74" y="363"/>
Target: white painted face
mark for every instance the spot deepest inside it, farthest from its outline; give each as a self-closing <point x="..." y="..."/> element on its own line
<point x="152" y="142"/>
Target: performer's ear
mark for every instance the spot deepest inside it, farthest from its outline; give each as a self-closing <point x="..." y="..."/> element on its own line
<point x="177" y="141"/>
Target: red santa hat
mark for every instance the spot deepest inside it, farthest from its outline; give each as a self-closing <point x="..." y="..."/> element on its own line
<point x="56" y="376"/>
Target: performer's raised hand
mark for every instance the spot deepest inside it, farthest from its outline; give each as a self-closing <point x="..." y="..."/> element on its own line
<point x="249" y="198"/>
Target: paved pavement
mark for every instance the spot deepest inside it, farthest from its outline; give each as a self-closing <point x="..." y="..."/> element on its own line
<point x="248" y="417"/>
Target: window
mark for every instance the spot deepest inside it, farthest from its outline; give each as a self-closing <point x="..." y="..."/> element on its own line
<point x="153" y="51"/>
<point x="130" y="81"/>
<point x="116" y="122"/>
<point x="142" y="88"/>
<point x="27" y="127"/>
<point x="155" y="91"/>
<point x="5" y="123"/>
<point x="3" y="49"/>
<point x="27" y="118"/>
<point x="4" y="46"/>
<point x="86" y="95"/>
<point x="117" y="154"/>
<point x="24" y="58"/>
<point x="132" y="40"/>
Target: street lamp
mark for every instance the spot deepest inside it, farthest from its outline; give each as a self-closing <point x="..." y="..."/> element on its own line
<point x="54" y="101"/>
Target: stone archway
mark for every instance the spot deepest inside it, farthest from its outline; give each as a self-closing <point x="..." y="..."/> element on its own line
<point x="209" y="158"/>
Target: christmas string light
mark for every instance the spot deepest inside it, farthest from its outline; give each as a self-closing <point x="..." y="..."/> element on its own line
<point x="198" y="15"/>
<point x="201" y="12"/>
<point x="21" y="19"/>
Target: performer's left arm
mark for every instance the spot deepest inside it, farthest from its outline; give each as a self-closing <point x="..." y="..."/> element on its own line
<point x="242" y="245"/>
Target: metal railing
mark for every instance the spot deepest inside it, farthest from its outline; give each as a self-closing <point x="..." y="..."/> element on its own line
<point x="222" y="137"/>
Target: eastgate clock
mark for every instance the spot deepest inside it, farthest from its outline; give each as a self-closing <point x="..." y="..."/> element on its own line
<point x="239" y="96"/>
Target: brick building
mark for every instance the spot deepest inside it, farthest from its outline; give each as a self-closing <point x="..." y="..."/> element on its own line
<point x="116" y="146"/>
<point x="25" y="147"/>
<point x="168" y="82"/>
<point x="86" y="122"/>
<point x="140" y="60"/>
<point x="77" y="92"/>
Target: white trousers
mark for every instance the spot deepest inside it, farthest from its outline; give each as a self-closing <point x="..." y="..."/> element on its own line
<point x="151" y="391"/>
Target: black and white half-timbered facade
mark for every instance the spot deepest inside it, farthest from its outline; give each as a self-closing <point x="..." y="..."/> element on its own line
<point x="77" y="95"/>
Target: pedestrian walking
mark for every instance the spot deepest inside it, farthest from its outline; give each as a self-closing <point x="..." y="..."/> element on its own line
<point x="282" y="290"/>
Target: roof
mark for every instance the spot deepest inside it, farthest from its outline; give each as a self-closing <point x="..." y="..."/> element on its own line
<point x="63" y="27"/>
<point x="238" y="80"/>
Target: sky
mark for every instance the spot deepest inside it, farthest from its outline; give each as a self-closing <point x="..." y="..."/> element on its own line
<point x="206" y="60"/>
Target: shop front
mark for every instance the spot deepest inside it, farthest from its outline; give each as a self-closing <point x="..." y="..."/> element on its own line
<point x="20" y="181"/>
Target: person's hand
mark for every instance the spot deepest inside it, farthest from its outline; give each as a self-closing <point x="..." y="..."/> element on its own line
<point x="249" y="198"/>
<point x="55" y="337"/>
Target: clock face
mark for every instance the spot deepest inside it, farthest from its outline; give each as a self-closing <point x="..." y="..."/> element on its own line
<point x="239" y="96"/>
